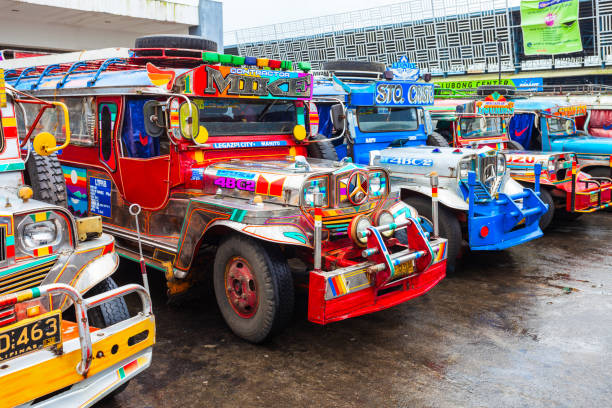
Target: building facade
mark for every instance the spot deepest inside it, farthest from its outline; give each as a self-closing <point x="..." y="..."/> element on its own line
<point x="69" y="25"/>
<point x="444" y="37"/>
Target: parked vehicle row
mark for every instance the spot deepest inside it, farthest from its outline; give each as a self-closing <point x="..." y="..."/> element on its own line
<point x="353" y="185"/>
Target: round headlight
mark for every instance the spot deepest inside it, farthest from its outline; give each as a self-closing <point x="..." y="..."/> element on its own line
<point x="375" y="184"/>
<point x="357" y="228"/>
<point x="463" y="170"/>
<point x="384" y="217"/>
<point x="42" y="233"/>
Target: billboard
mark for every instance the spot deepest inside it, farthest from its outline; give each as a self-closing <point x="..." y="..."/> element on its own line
<point x="550" y="27"/>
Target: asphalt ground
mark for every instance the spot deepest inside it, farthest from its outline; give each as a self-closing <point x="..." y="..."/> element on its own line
<point x="527" y="327"/>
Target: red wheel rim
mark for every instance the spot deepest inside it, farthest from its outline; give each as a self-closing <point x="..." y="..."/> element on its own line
<point x="241" y="287"/>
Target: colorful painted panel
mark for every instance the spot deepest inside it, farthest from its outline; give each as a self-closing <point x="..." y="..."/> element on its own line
<point x="220" y="81"/>
<point x="76" y="190"/>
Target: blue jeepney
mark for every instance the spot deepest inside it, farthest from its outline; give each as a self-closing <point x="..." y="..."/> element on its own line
<point x="545" y="125"/>
<point x="379" y="119"/>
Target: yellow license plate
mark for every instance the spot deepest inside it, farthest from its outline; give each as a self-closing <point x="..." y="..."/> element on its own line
<point x="404" y="269"/>
<point x="593" y="198"/>
<point x="31" y="335"/>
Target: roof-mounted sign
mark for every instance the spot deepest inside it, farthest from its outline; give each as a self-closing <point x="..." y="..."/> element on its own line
<point x="405" y="70"/>
<point x="228" y="82"/>
<point x="391" y="93"/>
<point x="569" y="111"/>
<point x="495" y="105"/>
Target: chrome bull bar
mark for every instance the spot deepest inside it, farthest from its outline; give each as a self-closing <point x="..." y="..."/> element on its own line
<point x="81" y="306"/>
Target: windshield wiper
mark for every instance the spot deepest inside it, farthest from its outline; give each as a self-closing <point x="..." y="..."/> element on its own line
<point x="265" y="110"/>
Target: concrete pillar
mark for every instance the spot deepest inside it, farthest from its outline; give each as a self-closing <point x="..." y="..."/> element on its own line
<point x="211" y="22"/>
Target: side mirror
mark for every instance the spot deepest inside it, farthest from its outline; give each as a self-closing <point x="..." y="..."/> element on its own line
<point x="154" y="119"/>
<point x="338" y="117"/>
<point x="44" y="143"/>
<point x="189" y="120"/>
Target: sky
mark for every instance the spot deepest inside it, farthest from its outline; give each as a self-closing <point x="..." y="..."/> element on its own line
<point x="246" y="14"/>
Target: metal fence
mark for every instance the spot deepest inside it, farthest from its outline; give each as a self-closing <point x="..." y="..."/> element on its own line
<point x="441" y="36"/>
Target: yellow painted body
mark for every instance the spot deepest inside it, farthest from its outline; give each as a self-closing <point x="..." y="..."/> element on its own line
<point x="59" y="372"/>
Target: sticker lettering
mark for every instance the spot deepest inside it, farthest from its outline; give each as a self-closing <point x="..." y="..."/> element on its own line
<point x="407" y="161"/>
<point x="232" y="183"/>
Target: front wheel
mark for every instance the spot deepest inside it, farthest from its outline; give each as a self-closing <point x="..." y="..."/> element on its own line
<point x="547" y="217"/>
<point x="110" y="312"/>
<point x="448" y="226"/>
<point x="253" y="287"/>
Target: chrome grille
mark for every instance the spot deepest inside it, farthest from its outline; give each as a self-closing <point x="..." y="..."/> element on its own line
<point x="26" y="279"/>
<point x="485" y="162"/>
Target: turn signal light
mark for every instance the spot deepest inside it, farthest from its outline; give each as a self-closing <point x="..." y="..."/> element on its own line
<point x="484" y="231"/>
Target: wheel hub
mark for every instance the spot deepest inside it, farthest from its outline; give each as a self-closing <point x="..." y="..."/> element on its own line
<point x="241" y="287"/>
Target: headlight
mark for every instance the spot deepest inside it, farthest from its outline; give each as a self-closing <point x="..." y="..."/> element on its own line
<point x="501" y="163"/>
<point x="42" y="233"/>
<point x="359" y="224"/>
<point x="378" y="184"/>
<point x="384" y="217"/>
<point x="315" y="186"/>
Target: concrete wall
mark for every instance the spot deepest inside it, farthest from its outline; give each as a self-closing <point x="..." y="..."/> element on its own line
<point x="211" y="22"/>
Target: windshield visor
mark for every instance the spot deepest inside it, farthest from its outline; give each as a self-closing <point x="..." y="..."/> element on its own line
<point x="242" y="117"/>
<point x="378" y="119"/>
<point x="470" y="127"/>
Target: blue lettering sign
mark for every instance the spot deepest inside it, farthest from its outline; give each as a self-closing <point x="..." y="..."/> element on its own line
<point x="100" y="196"/>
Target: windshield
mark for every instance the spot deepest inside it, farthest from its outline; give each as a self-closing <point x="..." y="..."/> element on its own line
<point x="241" y="117"/>
<point x="470" y="127"/>
<point x="379" y="119"/>
<point x="560" y="125"/>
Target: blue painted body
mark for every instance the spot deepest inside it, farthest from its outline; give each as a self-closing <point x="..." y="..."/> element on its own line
<point x="502" y="216"/>
<point x="364" y="95"/>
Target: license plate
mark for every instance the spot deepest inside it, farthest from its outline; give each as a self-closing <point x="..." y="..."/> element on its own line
<point x="593" y="198"/>
<point x="31" y="335"/>
<point x="404" y="269"/>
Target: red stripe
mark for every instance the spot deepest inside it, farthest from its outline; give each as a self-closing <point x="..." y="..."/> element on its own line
<point x="262" y="185"/>
<point x="276" y="188"/>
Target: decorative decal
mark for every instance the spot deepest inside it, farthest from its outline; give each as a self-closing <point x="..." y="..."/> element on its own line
<point x="337" y="285"/>
<point x="407" y="161"/>
<point x="232" y="183"/>
<point x="400" y="93"/>
<point x="571" y="111"/>
<point x="100" y="196"/>
<point x="358" y="188"/>
<point x="220" y="81"/>
<point x="76" y="190"/>
<point x="160" y="77"/>
<point x="233" y="145"/>
<point x="197" y="174"/>
<point x="495" y="104"/>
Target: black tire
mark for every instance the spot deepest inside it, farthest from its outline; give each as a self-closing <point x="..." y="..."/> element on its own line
<point x="448" y="226"/>
<point x="436" y="139"/>
<point x="345" y="65"/>
<point x="598" y="172"/>
<point x="322" y="150"/>
<point x="44" y="174"/>
<point x="108" y="313"/>
<point x="273" y="283"/>
<point x="547" y="218"/>
<point x="485" y="90"/>
<point x="514" y="145"/>
<point x="189" y="42"/>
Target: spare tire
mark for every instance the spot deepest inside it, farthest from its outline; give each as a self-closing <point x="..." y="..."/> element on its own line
<point x="323" y="149"/>
<point x="485" y="90"/>
<point x="436" y="139"/>
<point x="189" y="42"/>
<point x="45" y="175"/>
<point x="343" y="65"/>
<point x="514" y="145"/>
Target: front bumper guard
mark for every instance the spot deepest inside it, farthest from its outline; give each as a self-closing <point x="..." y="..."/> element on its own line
<point x="506" y="220"/>
<point x="590" y="194"/>
<point x="384" y="280"/>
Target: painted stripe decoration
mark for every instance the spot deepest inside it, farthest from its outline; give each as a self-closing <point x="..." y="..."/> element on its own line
<point x="441" y="252"/>
<point x="337" y="285"/>
<point x="41" y="216"/>
<point x="43" y="251"/>
<point x="129" y="368"/>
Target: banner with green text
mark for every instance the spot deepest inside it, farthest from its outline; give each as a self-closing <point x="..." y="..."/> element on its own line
<point x="550" y="27"/>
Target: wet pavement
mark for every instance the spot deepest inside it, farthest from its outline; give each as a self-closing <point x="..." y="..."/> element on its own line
<point x="527" y="327"/>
